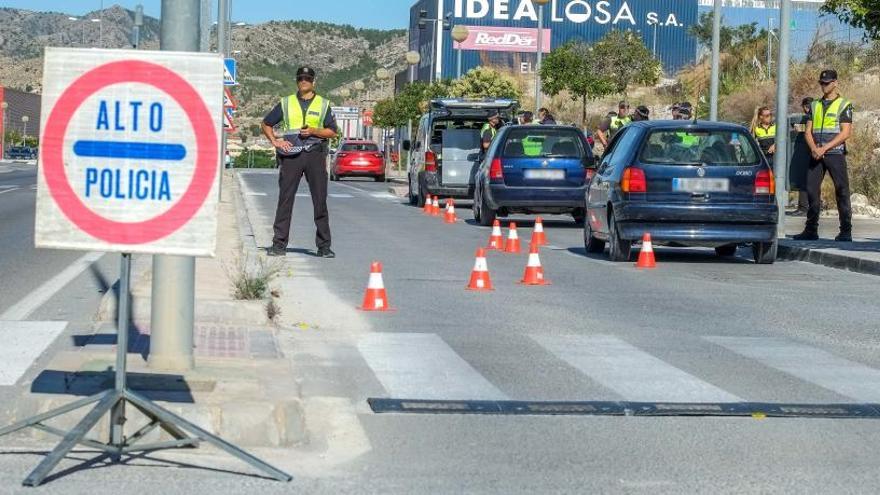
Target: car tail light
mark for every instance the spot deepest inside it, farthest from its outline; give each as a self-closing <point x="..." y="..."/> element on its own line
<point x="633" y="180"/>
<point x="430" y="161"/>
<point x="765" y="183"/>
<point x="495" y="172"/>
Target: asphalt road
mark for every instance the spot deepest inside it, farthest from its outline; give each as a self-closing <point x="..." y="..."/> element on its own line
<point x="696" y="329"/>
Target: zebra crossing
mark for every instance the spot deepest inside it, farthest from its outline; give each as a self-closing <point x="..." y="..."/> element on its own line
<point x="422" y="366"/>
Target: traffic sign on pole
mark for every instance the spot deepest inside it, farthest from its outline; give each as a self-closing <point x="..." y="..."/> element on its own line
<point x="230" y="72"/>
<point x="228" y="100"/>
<point x="228" y="122"/>
<point x="130" y="152"/>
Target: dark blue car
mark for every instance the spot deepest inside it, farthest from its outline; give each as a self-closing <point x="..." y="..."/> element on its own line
<point x="533" y="169"/>
<point x="687" y="184"/>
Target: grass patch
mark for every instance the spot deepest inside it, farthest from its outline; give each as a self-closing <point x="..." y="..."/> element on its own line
<point x="250" y="281"/>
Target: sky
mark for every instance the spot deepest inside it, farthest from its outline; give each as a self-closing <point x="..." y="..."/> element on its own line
<point x="377" y="14"/>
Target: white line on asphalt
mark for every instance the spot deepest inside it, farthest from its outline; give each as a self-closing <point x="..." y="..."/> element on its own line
<point x="15" y="188"/>
<point x="27" y="305"/>
<point x="256" y="194"/>
<point x="23" y="342"/>
<point x="348" y="186"/>
<point x="629" y="371"/>
<point x="808" y="363"/>
<point x="423" y="366"/>
<point x="384" y="195"/>
<point x="337" y="195"/>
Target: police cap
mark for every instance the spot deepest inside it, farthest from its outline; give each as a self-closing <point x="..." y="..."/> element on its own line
<point x="305" y="71"/>
<point x="828" y="75"/>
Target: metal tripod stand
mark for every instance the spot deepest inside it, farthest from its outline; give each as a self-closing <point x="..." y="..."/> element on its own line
<point x="113" y="402"/>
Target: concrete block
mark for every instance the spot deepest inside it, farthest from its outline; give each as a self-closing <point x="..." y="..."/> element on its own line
<point x="253" y="424"/>
<point x="291" y="418"/>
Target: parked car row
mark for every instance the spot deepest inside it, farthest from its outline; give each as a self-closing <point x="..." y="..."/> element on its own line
<point x="687" y="183"/>
<point x="21" y="153"/>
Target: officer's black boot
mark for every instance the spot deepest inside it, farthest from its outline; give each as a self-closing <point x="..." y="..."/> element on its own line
<point x="807" y="235"/>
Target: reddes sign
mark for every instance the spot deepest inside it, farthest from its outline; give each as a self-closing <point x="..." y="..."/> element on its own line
<point x="612" y="13"/>
<point x="505" y="39"/>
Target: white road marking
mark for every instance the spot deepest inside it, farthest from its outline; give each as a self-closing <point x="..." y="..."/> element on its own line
<point x="256" y="194"/>
<point x="423" y="366"/>
<point x="337" y="195"/>
<point x="28" y="304"/>
<point x="384" y="195"/>
<point x="23" y="342"/>
<point x="348" y="186"/>
<point x="629" y="371"/>
<point x="13" y="188"/>
<point x="811" y="364"/>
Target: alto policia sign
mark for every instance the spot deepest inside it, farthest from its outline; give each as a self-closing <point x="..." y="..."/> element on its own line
<point x="130" y="154"/>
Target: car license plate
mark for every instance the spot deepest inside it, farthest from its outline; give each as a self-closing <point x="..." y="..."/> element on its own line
<point x="360" y="164"/>
<point x="700" y="185"/>
<point x="549" y="174"/>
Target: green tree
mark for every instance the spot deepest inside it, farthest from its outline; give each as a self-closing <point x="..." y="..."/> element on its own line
<point x="626" y="60"/>
<point x="484" y="82"/>
<point x="863" y="14"/>
<point x="573" y="67"/>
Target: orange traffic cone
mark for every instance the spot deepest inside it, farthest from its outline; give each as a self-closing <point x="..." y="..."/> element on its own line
<point x="512" y="243"/>
<point x="646" y="255"/>
<point x="480" y="280"/>
<point x="450" y="212"/>
<point x="538" y="237"/>
<point x="435" y="207"/>
<point x="496" y="241"/>
<point x="534" y="274"/>
<point x="428" y="204"/>
<point x="375" y="299"/>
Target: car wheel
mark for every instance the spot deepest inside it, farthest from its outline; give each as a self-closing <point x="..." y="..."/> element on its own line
<point x="413" y="199"/>
<point x="423" y="193"/>
<point x="726" y="251"/>
<point x="618" y="249"/>
<point x="765" y="252"/>
<point x="380" y="178"/>
<point x="487" y="214"/>
<point x="591" y="244"/>
<point x="476" y="207"/>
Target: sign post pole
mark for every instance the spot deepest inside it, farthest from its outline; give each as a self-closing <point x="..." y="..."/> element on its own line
<point x="173" y="287"/>
<point x="71" y="212"/>
<point x="716" y="61"/>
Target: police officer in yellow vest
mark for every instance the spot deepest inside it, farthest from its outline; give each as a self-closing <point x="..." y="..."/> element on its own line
<point x="306" y="123"/>
<point x="610" y="125"/>
<point x="764" y="131"/>
<point x="829" y="125"/>
<point x="489" y="130"/>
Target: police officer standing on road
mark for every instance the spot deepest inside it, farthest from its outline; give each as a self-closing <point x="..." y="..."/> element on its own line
<point x="829" y="125"/>
<point x="764" y="131"/>
<point x="490" y="130"/>
<point x="609" y="126"/>
<point x="307" y="123"/>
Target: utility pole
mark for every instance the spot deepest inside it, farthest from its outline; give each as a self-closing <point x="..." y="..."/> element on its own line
<point x="540" y="52"/>
<point x="173" y="295"/>
<point x="716" y="61"/>
<point x="205" y="26"/>
<point x="138" y="22"/>
<point x="223" y="50"/>
<point x="780" y="162"/>
<point x="769" y="48"/>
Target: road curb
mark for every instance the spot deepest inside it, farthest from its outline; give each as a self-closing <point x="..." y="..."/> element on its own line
<point x="831" y="260"/>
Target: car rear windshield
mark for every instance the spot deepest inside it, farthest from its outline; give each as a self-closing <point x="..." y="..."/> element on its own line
<point x="703" y="147"/>
<point x="535" y="141"/>
<point x="359" y="147"/>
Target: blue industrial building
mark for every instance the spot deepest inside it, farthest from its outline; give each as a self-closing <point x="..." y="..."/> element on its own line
<point x="503" y="33"/>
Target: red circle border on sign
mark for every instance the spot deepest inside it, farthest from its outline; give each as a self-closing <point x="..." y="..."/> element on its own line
<point x="55" y="173"/>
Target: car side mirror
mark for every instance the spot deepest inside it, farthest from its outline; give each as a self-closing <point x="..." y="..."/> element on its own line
<point x="407" y="145"/>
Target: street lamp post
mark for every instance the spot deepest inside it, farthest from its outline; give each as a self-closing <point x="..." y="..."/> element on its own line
<point x="359" y="87"/>
<point x="383" y="75"/>
<point x="24" y="121"/>
<point x="412" y="58"/>
<point x="459" y="34"/>
<point x="716" y="61"/>
<point x="540" y="4"/>
<point x="4" y="105"/>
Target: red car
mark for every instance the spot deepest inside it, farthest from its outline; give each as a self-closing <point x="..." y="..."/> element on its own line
<point x="358" y="158"/>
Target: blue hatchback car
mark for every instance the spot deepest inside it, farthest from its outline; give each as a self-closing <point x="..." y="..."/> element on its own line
<point x="687" y="183"/>
<point x="533" y="169"/>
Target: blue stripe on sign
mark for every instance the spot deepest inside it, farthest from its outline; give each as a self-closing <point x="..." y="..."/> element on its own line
<point x="120" y="149"/>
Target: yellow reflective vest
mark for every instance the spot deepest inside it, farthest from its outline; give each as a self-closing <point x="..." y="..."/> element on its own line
<point x="294" y="119"/>
<point x="826" y="122"/>
<point x="766" y="137"/>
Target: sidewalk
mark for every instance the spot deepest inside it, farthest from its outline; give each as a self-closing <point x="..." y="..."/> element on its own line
<point x="862" y="255"/>
<point x="242" y="388"/>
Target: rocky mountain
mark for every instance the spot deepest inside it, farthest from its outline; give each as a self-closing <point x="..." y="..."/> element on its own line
<point x="268" y="54"/>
